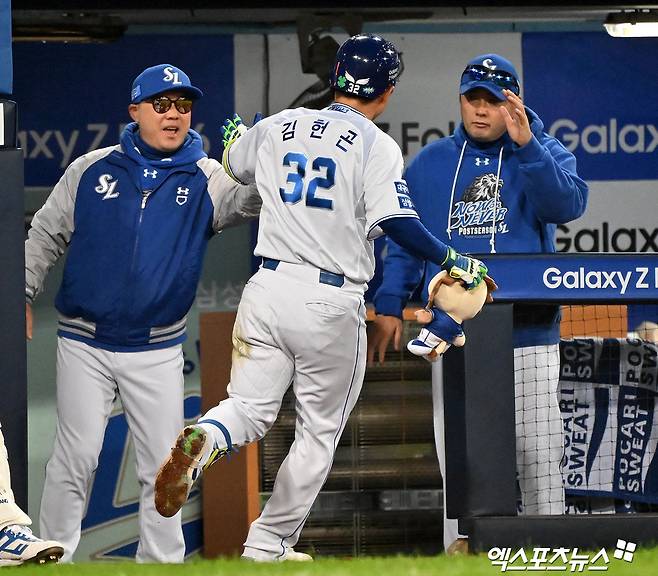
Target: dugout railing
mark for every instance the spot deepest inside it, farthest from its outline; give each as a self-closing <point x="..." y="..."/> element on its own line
<point x="479" y="398"/>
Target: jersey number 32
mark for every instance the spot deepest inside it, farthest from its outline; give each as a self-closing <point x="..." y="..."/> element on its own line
<point x="298" y="180"/>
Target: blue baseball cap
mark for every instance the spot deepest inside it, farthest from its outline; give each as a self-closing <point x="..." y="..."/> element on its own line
<point x="162" y="78"/>
<point x="492" y="72"/>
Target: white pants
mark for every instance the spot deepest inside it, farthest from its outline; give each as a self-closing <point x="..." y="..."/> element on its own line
<point x="291" y="328"/>
<point x="539" y="439"/>
<point x="9" y="512"/>
<point x="539" y="435"/>
<point x="150" y="385"/>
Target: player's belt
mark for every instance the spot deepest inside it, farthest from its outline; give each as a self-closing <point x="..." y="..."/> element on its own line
<point x="325" y="277"/>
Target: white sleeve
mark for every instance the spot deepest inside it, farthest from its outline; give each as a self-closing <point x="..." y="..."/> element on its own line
<point x="239" y="159"/>
<point x="385" y="192"/>
<point x="233" y="203"/>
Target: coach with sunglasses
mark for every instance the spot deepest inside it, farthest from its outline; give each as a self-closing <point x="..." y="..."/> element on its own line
<point x="136" y="219"/>
<point x="498" y="184"/>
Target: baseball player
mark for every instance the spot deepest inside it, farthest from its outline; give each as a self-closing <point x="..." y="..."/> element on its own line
<point x="498" y="184"/>
<point x="17" y="543"/>
<point x="136" y="219"/>
<point x="331" y="182"/>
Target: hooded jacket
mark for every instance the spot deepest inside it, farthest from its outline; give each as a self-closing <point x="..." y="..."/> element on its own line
<point x="461" y="187"/>
<point x="136" y="228"/>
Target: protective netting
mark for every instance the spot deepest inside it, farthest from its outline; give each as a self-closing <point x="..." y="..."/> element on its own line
<point x="585" y="414"/>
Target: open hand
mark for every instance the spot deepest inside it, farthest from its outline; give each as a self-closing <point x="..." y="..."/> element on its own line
<point x="516" y="119"/>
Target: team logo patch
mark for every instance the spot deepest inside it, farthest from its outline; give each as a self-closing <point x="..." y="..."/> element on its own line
<point x="181" y="195"/>
<point x="404" y="200"/>
<point x="480" y="204"/>
<point x="106" y="186"/>
<point x="401" y="187"/>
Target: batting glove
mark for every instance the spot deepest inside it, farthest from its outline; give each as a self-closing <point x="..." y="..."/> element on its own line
<point x="469" y="270"/>
<point x="232" y="129"/>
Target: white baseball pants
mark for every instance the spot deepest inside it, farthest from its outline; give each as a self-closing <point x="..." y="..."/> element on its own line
<point x="291" y="328"/>
<point x="9" y="512"/>
<point x="150" y="385"/>
<point x="539" y="439"/>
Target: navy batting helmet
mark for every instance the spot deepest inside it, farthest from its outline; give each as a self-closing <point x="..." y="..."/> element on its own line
<point x="366" y="65"/>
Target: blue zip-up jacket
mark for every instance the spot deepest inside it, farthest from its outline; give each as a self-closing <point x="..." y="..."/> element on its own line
<point x="460" y="187"/>
<point x="136" y="229"/>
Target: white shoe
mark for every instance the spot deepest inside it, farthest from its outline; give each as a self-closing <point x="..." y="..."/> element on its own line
<point x="293" y="556"/>
<point x="19" y="546"/>
<point x="289" y="556"/>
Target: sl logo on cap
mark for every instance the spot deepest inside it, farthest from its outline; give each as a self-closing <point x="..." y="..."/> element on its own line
<point x="171" y="76"/>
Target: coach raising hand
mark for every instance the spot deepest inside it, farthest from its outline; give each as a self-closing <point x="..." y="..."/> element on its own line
<point x="498" y="184"/>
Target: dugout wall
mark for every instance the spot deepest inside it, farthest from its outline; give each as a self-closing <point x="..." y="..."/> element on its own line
<point x="615" y="419"/>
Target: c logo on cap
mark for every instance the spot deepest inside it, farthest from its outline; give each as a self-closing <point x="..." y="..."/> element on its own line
<point x="489" y="64"/>
<point x="171" y="76"/>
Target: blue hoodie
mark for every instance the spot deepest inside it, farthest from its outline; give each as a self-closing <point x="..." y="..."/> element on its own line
<point x="461" y="186"/>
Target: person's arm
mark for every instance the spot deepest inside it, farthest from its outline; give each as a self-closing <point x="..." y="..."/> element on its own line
<point x="50" y="232"/>
<point x="402" y="273"/>
<point x="241" y="145"/>
<point x="414" y="244"/>
<point x="548" y="170"/>
<point x="553" y="188"/>
<point x="48" y="237"/>
<point x="415" y="238"/>
<point x="233" y="203"/>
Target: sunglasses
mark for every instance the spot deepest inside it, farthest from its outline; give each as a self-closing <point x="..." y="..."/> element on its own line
<point x="162" y="104"/>
<point x="500" y="78"/>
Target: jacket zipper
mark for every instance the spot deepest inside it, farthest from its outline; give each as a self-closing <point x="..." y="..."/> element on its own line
<point x="145" y="197"/>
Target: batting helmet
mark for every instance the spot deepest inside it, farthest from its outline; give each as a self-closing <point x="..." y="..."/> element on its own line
<point x="366" y="65"/>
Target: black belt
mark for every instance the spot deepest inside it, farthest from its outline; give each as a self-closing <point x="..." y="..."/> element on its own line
<point x="325" y="277"/>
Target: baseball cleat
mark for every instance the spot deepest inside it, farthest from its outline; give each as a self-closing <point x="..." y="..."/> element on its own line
<point x="292" y="556"/>
<point x="289" y="556"/>
<point x="177" y="474"/>
<point x="19" y="546"/>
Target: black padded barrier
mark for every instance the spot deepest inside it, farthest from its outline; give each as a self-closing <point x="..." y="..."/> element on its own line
<point x="13" y="365"/>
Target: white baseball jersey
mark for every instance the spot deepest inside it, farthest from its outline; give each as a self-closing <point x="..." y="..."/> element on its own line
<point x="327" y="179"/>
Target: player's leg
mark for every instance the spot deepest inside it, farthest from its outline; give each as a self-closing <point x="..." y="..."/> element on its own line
<point x="539" y="436"/>
<point x="261" y="370"/>
<point x="450" y="525"/>
<point x="9" y="512"/>
<point x="261" y="373"/>
<point x="152" y="392"/>
<point x="327" y="333"/>
<point x="85" y="394"/>
<point x="17" y="543"/>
